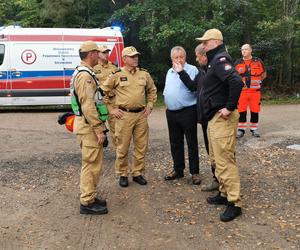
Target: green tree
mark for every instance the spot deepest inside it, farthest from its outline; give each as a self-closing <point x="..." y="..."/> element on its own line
<point x="278" y="36"/>
<point x="28" y="15"/>
<point x="8" y="10"/>
<point x="75" y="13"/>
<point x="155" y="26"/>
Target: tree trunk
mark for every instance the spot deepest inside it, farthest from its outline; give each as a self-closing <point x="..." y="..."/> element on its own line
<point x="289" y="8"/>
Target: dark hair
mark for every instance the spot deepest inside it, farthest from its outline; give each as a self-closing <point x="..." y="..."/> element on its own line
<point x="83" y="55"/>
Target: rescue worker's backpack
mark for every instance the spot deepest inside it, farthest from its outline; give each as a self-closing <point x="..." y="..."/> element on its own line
<point x="75" y="104"/>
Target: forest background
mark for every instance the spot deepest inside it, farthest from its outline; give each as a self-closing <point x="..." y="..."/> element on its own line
<point x="272" y="27"/>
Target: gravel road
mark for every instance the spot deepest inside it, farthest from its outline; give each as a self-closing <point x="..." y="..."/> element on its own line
<point x="39" y="190"/>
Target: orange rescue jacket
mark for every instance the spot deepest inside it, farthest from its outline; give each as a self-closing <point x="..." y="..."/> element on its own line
<point x="250" y="71"/>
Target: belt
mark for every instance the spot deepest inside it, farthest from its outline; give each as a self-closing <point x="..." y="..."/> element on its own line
<point x="132" y="110"/>
<point x="182" y="109"/>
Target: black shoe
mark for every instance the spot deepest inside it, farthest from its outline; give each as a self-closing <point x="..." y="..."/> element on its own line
<point x="255" y="133"/>
<point x="123" y="181"/>
<point x="196" y="179"/>
<point x="101" y="202"/>
<point x="93" y="208"/>
<point x="174" y="175"/>
<point x="231" y="212"/>
<point x="217" y="200"/>
<point x="240" y="133"/>
<point x="139" y="179"/>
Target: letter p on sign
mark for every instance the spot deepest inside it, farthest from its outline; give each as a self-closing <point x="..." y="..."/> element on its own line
<point x="28" y="56"/>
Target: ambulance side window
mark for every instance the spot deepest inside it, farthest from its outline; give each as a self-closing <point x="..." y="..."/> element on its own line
<point x="2" y="50"/>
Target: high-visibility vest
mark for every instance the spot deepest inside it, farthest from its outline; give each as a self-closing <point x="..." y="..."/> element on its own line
<point x="250" y="71"/>
<point x="75" y="104"/>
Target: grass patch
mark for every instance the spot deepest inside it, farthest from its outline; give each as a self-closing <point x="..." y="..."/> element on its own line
<point x="267" y="99"/>
<point x="160" y="100"/>
<point x="281" y="100"/>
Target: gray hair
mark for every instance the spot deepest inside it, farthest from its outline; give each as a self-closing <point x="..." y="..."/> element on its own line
<point x="177" y="48"/>
<point x="200" y="50"/>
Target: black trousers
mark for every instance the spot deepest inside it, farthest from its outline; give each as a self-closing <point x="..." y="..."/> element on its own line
<point x="253" y="118"/>
<point x="183" y="123"/>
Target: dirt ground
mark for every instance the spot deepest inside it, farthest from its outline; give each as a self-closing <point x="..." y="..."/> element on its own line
<point x="39" y="191"/>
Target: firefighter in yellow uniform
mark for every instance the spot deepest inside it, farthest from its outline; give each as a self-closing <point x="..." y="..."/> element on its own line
<point x="135" y="95"/>
<point x="88" y="128"/>
<point x="103" y="69"/>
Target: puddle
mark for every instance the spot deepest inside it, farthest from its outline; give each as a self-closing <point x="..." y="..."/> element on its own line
<point x="294" y="146"/>
<point x="260" y="143"/>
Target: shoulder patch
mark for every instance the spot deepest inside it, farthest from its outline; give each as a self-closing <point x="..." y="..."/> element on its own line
<point x="123" y="79"/>
<point x="222" y="59"/>
<point x="118" y="70"/>
<point x="143" y="69"/>
<point x="88" y="81"/>
<point x="227" y="66"/>
<point x="84" y="73"/>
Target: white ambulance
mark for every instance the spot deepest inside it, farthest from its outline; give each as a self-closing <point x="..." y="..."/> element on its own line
<point x="36" y="64"/>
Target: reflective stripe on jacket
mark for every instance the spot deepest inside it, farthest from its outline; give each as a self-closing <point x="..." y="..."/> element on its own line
<point x="250" y="71"/>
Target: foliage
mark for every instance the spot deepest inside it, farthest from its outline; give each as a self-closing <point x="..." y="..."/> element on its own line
<point x="155" y="26"/>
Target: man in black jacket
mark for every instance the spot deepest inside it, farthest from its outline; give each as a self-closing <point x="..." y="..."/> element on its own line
<point x="221" y="90"/>
<point x="197" y="85"/>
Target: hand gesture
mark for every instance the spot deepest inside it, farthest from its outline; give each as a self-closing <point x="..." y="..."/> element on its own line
<point x="101" y="138"/>
<point x="147" y="111"/>
<point x="177" y="67"/>
<point x="224" y="113"/>
<point x="118" y="113"/>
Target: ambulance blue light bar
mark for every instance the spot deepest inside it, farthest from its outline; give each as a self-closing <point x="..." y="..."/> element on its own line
<point x="118" y="28"/>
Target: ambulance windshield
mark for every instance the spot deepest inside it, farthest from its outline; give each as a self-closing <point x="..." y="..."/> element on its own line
<point x="2" y="49"/>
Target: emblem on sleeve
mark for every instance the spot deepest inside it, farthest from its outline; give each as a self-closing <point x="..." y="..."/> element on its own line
<point x="228" y="66"/>
<point x="222" y="59"/>
<point x="123" y="79"/>
<point x="88" y="81"/>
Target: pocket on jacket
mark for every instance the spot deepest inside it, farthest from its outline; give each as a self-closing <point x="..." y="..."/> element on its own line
<point x="142" y="83"/>
<point x="124" y="83"/>
<point x="89" y="154"/>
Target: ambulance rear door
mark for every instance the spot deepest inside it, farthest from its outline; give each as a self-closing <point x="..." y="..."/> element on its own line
<point x="4" y="77"/>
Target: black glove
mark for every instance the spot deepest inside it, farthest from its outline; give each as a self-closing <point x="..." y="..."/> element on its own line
<point x="63" y="117"/>
<point x="105" y="143"/>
